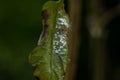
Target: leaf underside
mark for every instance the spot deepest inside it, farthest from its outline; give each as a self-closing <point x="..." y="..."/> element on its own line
<point x="50" y="56"/>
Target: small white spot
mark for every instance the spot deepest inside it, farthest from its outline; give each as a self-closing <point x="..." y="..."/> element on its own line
<point x="59" y="50"/>
<point x="64" y="49"/>
<point x="54" y="47"/>
<point x="56" y="51"/>
<point x="61" y="46"/>
<point x="58" y="33"/>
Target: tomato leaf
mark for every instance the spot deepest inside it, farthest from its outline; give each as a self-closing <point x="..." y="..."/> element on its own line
<point x="50" y="56"/>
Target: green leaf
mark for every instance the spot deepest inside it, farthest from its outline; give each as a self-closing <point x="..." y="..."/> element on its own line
<point x="50" y="56"/>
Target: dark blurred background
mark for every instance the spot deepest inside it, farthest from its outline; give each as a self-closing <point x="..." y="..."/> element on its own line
<point x="99" y="53"/>
<point x="20" y="27"/>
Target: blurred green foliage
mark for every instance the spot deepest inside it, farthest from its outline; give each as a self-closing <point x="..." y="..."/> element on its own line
<point x="20" y="26"/>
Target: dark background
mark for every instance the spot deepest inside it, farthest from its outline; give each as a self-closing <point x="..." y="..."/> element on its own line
<point x="20" y="27"/>
<point x="112" y="44"/>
